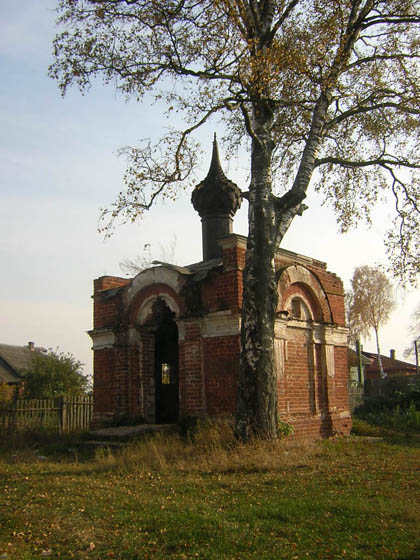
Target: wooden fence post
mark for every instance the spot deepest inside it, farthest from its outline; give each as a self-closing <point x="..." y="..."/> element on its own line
<point x="63" y="415"/>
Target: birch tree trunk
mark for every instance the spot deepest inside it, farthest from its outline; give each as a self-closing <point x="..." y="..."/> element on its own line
<point x="269" y="218"/>
<point x="257" y="394"/>
<point x="381" y="369"/>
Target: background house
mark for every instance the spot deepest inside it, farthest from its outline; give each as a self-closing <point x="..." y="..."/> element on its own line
<point x="391" y="366"/>
<point x="14" y="360"/>
<point x="399" y="376"/>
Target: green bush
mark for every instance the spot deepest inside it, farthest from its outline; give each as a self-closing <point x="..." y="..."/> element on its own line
<point x="395" y="392"/>
<point x="284" y="429"/>
<point x="402" y="419"/>
<point x="397" y="408"/>
<point x="363" y="428"/>
<point x="7" y="392"/>
<point x="53" y="374"/>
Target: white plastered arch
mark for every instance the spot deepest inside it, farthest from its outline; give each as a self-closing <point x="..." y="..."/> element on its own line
<point x="298" y="274"/>
<point x="305" y="306"/>
<point x="151" y="276"/>
<point x="146" y="310"/>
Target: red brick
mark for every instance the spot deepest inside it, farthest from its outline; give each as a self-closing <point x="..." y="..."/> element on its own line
<point x="315" y="403"/>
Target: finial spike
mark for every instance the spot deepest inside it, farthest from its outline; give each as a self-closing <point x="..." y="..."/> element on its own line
<point x="215" y="165"/>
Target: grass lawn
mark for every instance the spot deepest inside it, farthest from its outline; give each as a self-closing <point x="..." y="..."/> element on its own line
<point x="166" y="499"/>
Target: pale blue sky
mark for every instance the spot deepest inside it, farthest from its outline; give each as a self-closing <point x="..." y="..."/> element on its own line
<point x="58" y="166"/>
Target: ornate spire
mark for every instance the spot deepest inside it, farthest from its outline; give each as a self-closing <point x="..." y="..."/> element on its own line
<point x="215" y="171"/>
<point x="216" y="193"/>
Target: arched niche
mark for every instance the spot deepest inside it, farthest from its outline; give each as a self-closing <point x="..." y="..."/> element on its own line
<point x="148" y="307"/>
<point x="140" y="307"/>
<point x="299" y="285"/>
<point x="299" y="308"/>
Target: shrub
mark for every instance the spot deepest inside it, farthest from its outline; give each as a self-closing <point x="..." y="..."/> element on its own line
<point x="396" y="408"/>
<point x="284" y="429"/>
<point x="7" y="392"/>
<point x="54" y="374"/>
<point x="402" y="419"/>
<point x="394" y="392"/>
<point x="363" y="428"/>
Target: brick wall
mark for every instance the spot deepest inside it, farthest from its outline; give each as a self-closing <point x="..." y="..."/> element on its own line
<point x="109" y="282"/>
<point x="222" y="290"/>
<point x="334" y="290"/>
<point x="133" y="381"/>
<point x="221" y="373"/>
<point x="191" y="383"/>
<point x="104" y="390"/>
<point x="311" y="397"/>
<point x="107" y="306"/>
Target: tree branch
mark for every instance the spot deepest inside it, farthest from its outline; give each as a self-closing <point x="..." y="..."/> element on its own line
<point x="360" y="110"/>
<point x="390" y="20"/>
<point x="248" y="125"/>
<point x="287" y="11"/>
<point x="376" y="57"/>
<point x="378" y="161"/>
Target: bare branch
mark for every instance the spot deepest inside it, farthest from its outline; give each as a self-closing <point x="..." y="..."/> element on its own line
<point x="381" y="161"/>
<point x="360" y="110"/>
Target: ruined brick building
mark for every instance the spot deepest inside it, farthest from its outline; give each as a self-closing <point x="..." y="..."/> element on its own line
<point x="166" y="342"/>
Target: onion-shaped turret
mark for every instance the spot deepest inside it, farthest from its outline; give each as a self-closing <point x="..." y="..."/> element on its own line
<point x="216" y="199"/>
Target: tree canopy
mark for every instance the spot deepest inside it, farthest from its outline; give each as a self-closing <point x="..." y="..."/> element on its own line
<point x="340" y="77"/>
<point x="53" y="374"/>
<point x="308" y="85"/>
<point x="371" y="302"/>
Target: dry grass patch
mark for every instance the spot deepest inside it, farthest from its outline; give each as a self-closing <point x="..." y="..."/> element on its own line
<point x="212" y="449"/>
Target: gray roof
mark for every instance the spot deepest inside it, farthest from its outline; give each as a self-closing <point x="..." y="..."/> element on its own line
<point x="353" y="359"/>
<point x="198" y="271"/>
<point x="13" y="360"/>
<point x="389" y="364"/>
<point x="7" y="375"/>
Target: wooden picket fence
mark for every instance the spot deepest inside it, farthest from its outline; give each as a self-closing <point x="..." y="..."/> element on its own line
<point x="62" y="414"/>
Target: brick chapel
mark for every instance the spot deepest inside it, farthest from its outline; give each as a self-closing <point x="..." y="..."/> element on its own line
<point x="166" y="342"/>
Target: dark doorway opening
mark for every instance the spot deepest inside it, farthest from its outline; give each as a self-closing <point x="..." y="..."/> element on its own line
<point x="166" y="364"/>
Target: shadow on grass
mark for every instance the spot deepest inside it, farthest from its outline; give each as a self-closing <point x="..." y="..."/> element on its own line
<point x="404" y="440"/>
<point x="362" y="428"/>
<point x="414" y="555"/>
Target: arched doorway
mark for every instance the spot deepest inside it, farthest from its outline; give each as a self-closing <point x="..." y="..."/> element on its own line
<point x="166" y="364"/>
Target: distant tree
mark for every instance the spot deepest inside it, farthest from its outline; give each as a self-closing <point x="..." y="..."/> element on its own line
<point x="348" y="303"/>
<point x="371" y="302"/>
<point x="414" y="330"/>
<point x="52" y="374"/>
<point x="323" y="89"/>
<point x="145" y="260"/>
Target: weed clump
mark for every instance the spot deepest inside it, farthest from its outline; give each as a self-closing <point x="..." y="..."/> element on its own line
<point x="202" y="446"/>
<point x="397" y="408"/>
